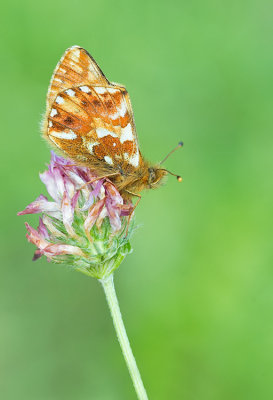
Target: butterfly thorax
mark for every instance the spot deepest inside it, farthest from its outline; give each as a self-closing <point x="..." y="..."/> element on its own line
<point x="134" y="181"/>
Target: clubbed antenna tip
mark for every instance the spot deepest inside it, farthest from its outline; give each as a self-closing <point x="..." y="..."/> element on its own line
<point x="178" y="177"/>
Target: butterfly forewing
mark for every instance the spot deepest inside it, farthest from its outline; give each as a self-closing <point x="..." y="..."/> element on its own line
<point x="88" y="118"/>
<point x="75" y="68"/>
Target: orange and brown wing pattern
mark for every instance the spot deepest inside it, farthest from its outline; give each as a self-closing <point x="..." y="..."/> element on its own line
<point x="75" y="68"/>
<point x="88" y="118"/>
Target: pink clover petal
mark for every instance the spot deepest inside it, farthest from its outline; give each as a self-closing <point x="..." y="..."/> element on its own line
<point x="97" y="189"/>
<point x="68" y="214"/>
<point x="48" y="179"/>
<point x="101" y="217"/>
<point x="42" y="197"/>
<point x="76" y="179"/>
<point x="113" y="193"/>
<point x="69" y="186"/>
<point x="80" y="185"/>
<point x="42" y="229"/>
<point x="88" y="175"/>
<point x="41" y="204"/>
<point x="55" y="158"/>
<point x="84" y="173"/>
<point x="67" y="209"/>
<point x="114" y="205"/>
<point x="33" y="207"/>
<point x="114" y="215"/>
<point x="88" y="203"/>
<point x="59" y="182"/>
<point x="34" y="237"/>
<point x="58" y="161"/>
<point x="74" y="200"/>
<point x="92" y="217"/>
<point x="55" y="214"/>
<point x="37" y="255"/>
<point x="53" y="250"/>
<point x="92" y="196"/>
<point x="49" y="249"/>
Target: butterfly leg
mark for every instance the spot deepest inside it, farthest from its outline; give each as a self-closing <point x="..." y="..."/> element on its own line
<point x="97" y="179"/>
<point x="131" y="213"/>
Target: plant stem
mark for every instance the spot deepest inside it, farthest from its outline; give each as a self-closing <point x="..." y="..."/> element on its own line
<point x="110" y="293"/>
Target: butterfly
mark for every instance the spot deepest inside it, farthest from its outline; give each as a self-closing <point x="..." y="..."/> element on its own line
<point x="90" y="120"/>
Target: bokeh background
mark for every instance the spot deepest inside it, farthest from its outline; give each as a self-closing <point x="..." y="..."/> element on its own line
<point x="196" y="293"/>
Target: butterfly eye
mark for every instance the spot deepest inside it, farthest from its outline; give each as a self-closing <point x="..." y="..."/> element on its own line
<point x="152" y="175"/>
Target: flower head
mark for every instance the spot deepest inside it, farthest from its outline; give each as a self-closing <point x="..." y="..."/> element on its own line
<point x="85" y="224"/>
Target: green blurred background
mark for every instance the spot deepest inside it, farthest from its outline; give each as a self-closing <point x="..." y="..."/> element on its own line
<point x="196" y="293"/>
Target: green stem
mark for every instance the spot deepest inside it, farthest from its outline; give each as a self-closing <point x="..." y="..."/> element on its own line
<point x="110" y="293"/>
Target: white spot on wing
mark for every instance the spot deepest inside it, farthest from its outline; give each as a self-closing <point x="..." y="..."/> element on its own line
<point x="70" y="92"/>
<point x="50" y="124"/>
<point x="121" y="110"/>
<point x="134" y="160"/>
<point x="59" y="100"/>
<point x="126" y="133"/>
<point x="126" y="156"/>
<point x="100" y="90"/>
<point x="91" y="145"/>
<point x="112" y="90"/>
<point x="101" y="132"/>
<point x="108" y="160"/>
<point x="85" y="89"/>
<point x="58" y="80"/>
<point x="64" y="135"/>
<point x="75" y="53"/>
<point x="53" y="112"/>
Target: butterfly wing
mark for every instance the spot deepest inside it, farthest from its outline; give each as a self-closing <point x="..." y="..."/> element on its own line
<point x="76" y="67"/>
<point x="88" y="118"/>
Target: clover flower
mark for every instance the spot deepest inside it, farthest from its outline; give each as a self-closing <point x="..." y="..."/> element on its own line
<point x="85" y="225"/>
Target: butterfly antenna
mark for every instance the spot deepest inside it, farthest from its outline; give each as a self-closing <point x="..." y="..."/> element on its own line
<point x="180" y="144"/>
<point x="178" y="177"/>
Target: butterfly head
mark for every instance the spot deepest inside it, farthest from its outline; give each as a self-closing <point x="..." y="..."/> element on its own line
<point x="155" y="176"/>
